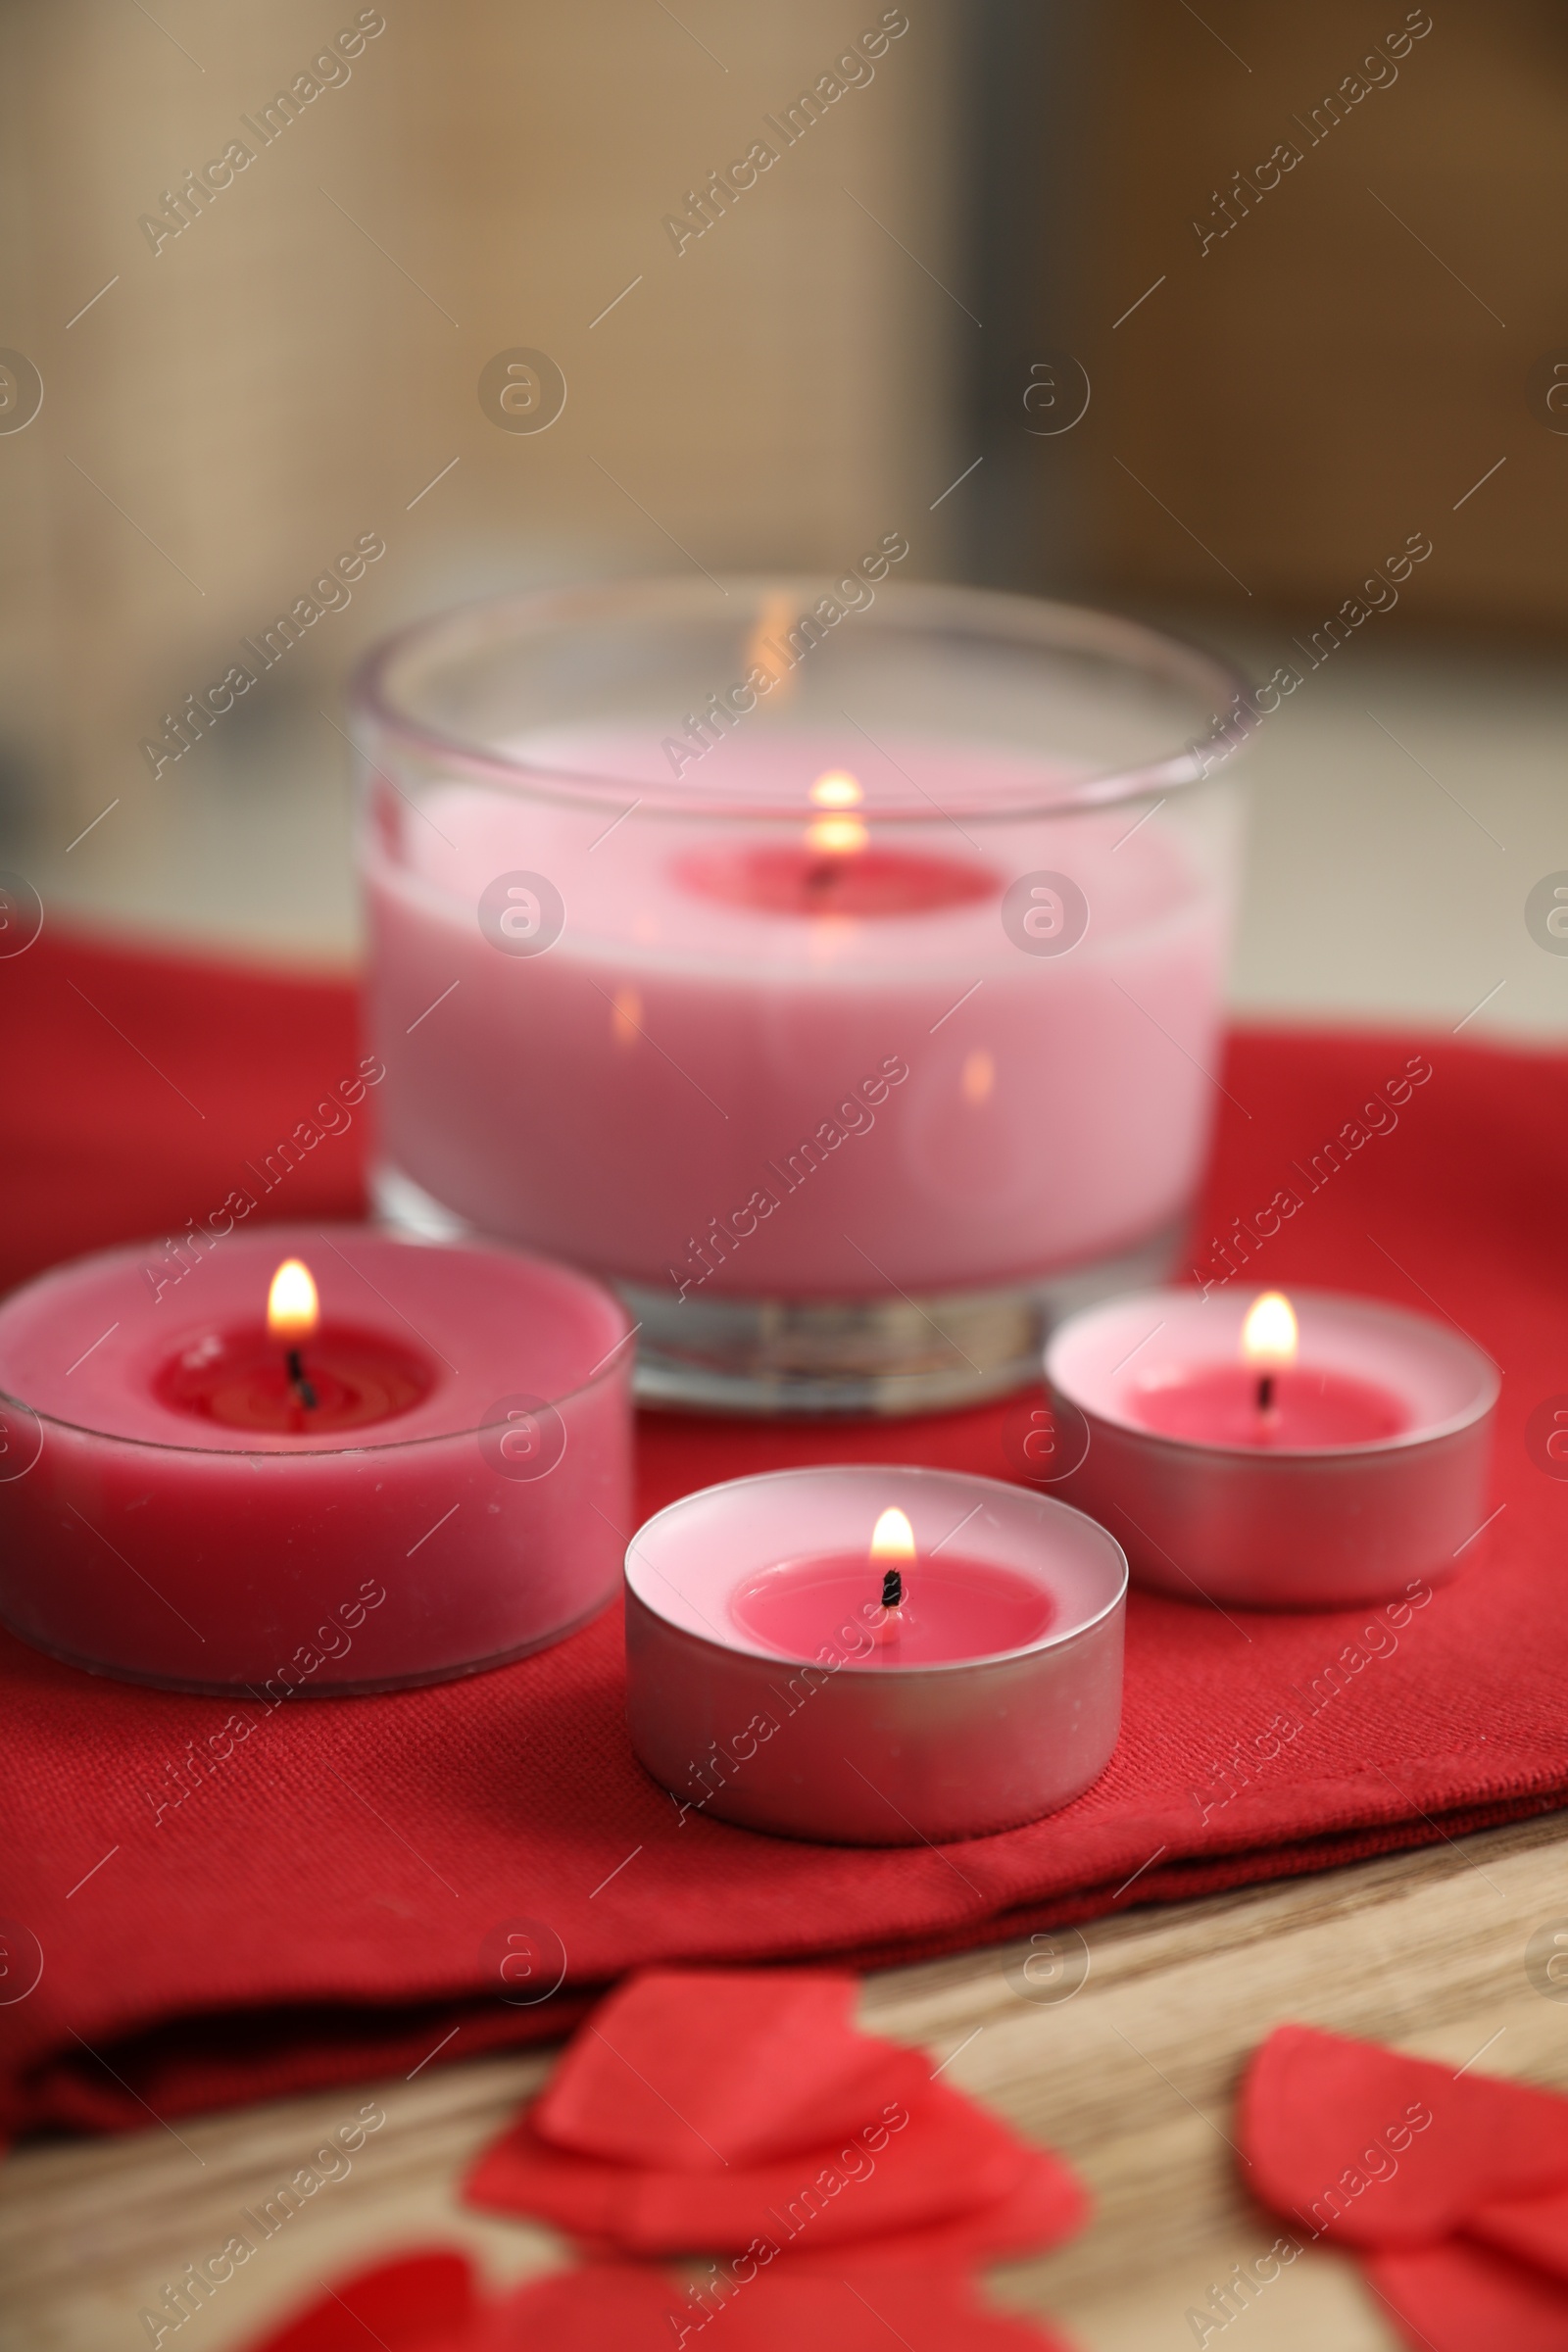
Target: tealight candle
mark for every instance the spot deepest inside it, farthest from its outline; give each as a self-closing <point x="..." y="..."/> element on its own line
<point x="1305" y="1454"/>
<point x="323" y="1460"/>
<point x="873" y="1655"/>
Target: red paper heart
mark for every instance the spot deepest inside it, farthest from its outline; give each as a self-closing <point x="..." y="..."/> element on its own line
<point x="422" y="2302"/>
<point x="697" y="2070"/>
<point x="1049" y="2204"/>
<point x="626" y="2308"/>
<point x="1333" y="2134"/>
<point x="1535" y="2228"/>
<point x="1457" y="2297"/>
<point x="946" y="2157"/>
<point x="601" y="2307"/>
<point x="857" y="2310"/>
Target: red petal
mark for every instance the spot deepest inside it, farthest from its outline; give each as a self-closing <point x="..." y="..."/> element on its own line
<point x="1534" y="2227"/>
<point x="856" y="2309"/>
<point x="1049" y="2204"/>
<point x="1456" y="2297"/>
<point x="603" y="2307"/>
<point x="946" y="2157"/>
<point x="695" y="2070"/>
<point x="420" y="2303"/>
<point x="622" y="2308"/>
<point x="1323" y="2120"/>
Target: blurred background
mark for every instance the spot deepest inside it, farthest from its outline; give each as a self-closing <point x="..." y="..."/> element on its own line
<point x="1209" y="317"/>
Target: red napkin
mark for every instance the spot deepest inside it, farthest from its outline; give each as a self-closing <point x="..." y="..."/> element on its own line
<point x="425" y="2302"/>
<point x="171" y="1879"/>
<point x="907" y="2153"/>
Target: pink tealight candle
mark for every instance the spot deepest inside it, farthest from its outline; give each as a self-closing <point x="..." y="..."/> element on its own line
<point x="1303" y="1453"/>
<point x="323" y="1460"/>
<point x="871" y="1656"/>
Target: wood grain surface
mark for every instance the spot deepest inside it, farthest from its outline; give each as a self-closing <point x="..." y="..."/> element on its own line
<point x="1132" y="2076"/>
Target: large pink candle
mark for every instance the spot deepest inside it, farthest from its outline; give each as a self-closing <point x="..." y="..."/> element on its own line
<point x="838" y="1015"/>
<point x="700" y="1093"/>
<point x="421" y="1474"/>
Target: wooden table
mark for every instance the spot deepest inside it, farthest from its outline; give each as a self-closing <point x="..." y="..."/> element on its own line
<point x="1133" y="2077"/>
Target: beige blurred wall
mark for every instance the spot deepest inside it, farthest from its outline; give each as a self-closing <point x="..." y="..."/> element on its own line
<point x="297" y="365"/>
<point x="1294" y="373"/>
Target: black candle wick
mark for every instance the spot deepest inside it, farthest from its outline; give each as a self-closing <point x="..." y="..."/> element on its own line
<point x="891" y="1588"/>
<point x="1266" y="1391"/>
<point x="296" y="1372"/>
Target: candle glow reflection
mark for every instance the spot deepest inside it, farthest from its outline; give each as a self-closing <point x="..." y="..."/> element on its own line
<point x="838" y="789"/>
<point x="838" y="836"/>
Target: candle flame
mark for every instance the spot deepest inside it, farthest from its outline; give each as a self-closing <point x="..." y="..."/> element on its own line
<point x="891" y="1537"/>
<point x="1268" y="1335"/>
<point x="291" y="1303"/>
<point x="837" y="836"/>
<point x="836" y="790"/>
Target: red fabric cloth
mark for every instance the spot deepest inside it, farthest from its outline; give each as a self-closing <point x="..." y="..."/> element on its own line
<point x="319" y="1907"/>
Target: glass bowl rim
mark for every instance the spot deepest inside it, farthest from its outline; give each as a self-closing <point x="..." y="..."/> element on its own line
<point x="1049" y="625"/>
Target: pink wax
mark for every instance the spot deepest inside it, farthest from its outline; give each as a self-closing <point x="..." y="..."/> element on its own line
<point x="722" y="1077"/>
<point x="347" y="1379"/>
<point x="174" y="1510"/>
<point x="952" y="1609"/>
<point x="1218" y="1403"/>
<point x="797" y="880"/>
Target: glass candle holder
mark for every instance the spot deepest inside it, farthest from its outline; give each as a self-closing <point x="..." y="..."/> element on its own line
<point x="836" y="973"/>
